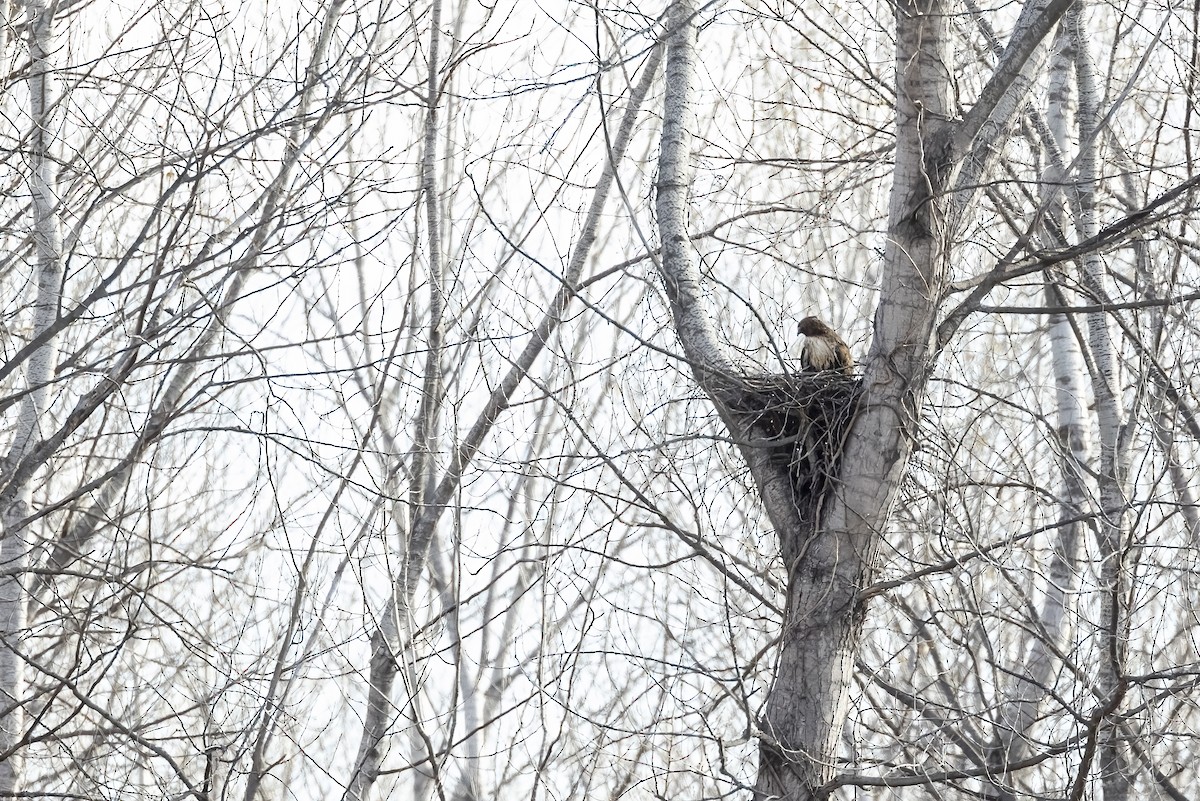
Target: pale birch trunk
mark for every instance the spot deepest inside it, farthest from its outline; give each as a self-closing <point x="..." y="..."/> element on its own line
<point x="17" y="492"/>
<point x="6" y="25"/>
<point x="415" y="535"/>
<point x="1036" y="680"/>
<point x="1112" y="521"/>
<point x="1072" y="431"/>
<point x="425" y="437"/>
<point x="387" y="642"/>
<point x="426" y="434"/>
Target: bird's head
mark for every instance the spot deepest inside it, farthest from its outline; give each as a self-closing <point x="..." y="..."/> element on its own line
<point x="812" y="327"/>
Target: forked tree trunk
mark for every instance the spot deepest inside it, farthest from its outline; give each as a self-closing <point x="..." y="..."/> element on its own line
<point x="829" y="565"/>
<point x="832" y="555"/>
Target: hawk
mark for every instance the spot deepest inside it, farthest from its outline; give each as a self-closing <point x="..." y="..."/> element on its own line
<point x="823" y="348"/>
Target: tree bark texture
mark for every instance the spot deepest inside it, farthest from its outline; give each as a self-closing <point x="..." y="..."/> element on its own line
<point x="828" y="559"/>
<point x="1041" y="660"/>
<point x="1112" y="525"/>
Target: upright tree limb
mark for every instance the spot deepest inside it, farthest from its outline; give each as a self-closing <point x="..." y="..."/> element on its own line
<point x="425" y="438"/>
<point x="415" y="536"/>
<point x="1038" y="18"/>
<point x="1112" y="476"/>
<point x="679" y="269"/>
<point x="709" y="361"/>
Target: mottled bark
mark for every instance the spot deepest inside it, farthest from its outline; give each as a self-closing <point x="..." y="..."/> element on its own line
<point x="807" y="706"/>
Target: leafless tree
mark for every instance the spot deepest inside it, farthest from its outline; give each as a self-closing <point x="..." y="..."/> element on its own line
<point x="402" y="399"/>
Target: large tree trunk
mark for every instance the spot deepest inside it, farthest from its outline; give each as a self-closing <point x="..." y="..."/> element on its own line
<point x="827" y="566"/>
<point x="829" y="556"/>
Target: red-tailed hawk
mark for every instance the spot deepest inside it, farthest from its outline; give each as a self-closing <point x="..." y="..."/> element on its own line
<point x="823" y="348"/>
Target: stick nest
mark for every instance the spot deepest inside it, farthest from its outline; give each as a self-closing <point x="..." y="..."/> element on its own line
<point x="802" y="419"/>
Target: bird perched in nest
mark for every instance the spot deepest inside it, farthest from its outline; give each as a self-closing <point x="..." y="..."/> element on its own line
<point x="823" y="348"/>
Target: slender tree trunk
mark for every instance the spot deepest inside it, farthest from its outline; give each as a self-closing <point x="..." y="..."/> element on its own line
<point x="1033" y="683"/>
<point x="16" y="494"/>
<point x="427" y="429"/>
<point x="416" y="534"/>
<point x="386" y="641"/>
<point x="1074" y="441"/>
<point x="1113" y="468"/>
<point x="425" y="438"/>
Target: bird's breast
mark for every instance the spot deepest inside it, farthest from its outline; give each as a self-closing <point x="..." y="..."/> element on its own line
<point x="819" y="353"/>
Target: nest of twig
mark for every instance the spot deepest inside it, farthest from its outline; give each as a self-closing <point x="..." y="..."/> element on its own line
<point x="801" y="419"/>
